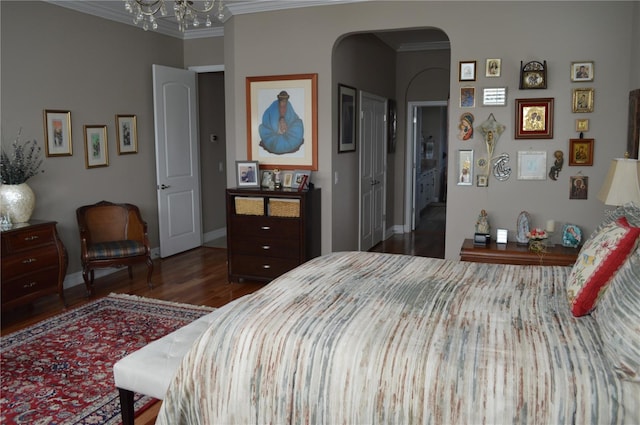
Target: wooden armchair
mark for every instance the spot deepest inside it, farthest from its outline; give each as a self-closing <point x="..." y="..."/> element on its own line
<point x="112" y="235"/>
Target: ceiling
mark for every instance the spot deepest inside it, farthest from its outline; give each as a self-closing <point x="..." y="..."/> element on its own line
<point x="403" y="40"/>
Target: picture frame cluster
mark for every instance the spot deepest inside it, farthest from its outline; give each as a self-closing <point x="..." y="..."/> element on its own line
<point x="534" y="119"/>
<point x="59" y="141"/>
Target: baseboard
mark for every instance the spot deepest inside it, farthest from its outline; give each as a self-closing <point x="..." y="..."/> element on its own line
<point x="216" y="234"/>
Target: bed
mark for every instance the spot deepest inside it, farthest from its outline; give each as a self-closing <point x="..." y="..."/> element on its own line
<point x="361" y="338"/>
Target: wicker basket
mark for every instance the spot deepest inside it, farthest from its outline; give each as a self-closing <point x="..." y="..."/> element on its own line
<point x="249" y="206"/>
<point x="284" y="207"/>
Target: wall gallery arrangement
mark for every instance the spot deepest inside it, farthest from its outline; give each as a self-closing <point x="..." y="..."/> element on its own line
<point x="58" y="140"/>
<point x="534" y="119"/>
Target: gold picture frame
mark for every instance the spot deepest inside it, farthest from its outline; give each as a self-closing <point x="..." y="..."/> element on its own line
<point x="583" y="99"/>
<point x="96" y="150"/>
<point x="534" y="118"/>
<point x="57" y="133"/>
<point x="582" y="125"/>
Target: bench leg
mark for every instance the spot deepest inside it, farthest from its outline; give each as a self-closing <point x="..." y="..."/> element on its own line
<point x="126" y="406"/>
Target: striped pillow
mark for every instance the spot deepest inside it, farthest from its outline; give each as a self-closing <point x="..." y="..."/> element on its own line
<point x="598" y="260"/>
<point x="618" y="317"/>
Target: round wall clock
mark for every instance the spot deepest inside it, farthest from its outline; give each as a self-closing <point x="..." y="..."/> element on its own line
<point x="533" y="75"/>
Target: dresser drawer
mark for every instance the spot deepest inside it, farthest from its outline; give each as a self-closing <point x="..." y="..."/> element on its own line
<point x="270" y="247"/>
<point x="25" y="262"/>
<point x="20" y="241"/>
<point x="261" y="266"/>
<point x="25" y="285"/>
<point x="261" y="227"/>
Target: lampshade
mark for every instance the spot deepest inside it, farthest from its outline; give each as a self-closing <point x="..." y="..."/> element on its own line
<point x="622" y="184"/>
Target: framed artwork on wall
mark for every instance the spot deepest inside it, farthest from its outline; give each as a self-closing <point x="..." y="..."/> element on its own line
<point x="467" y="97"/>
<point x="127" y="134"/>
<point x="582" y="71"/>
<point x="493" y="68"/>
<point x="346" y="119"/>
<point x="95" y="146"/>
<point x="579" y="187"/>
<point x="582" y="125"/>
<point x="467" y="70"/>
<point x="57" y="133"/>
<point x="532" y="165"/>
<point x="582" y="100"/>
<point x="282" y="115"/>
<point x="534" y="118"/>
<point x="465" y="167"/>
<point x="581" y="151"/>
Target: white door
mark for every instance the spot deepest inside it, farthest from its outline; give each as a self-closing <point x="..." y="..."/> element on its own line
<point x="373" y="135"/>
<point x="177" y="159"/>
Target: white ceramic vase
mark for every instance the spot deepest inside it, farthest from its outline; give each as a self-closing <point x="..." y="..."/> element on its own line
<point x="17" y="202"/>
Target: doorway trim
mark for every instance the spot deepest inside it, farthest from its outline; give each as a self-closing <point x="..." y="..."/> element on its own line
<point x="410" y="160"/>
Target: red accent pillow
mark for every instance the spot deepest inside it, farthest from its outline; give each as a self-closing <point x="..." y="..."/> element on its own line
<point x="598" y="260"/>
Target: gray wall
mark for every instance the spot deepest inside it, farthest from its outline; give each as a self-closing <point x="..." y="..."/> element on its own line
<point x="572" y="31"/>
<point x="55" y="58"/>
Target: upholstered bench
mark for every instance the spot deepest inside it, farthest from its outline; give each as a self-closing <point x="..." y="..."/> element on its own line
<point x="149" y="370"/>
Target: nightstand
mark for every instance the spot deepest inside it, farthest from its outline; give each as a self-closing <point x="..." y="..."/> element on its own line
<point x="512" y="253"/>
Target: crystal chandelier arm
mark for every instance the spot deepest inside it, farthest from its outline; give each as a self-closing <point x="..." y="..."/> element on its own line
<point x="148" y="8"/>
<point x="208" y="5"/>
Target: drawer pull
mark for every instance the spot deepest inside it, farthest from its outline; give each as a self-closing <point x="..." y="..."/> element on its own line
<point x="31" y="238"/>
<point x="265" y="227"/>
<point x="29" y="285"/>
<point x="266" y="247"/>
<point x="29" y="260"/>
<point x="266" y="266"/>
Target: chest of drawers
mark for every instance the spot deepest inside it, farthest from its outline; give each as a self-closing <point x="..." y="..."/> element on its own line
<point x="269" y="232"/>
<point x="34" y="262"/>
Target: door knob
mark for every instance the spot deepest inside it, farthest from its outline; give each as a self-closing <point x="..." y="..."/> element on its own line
<point x="165" y="186"/>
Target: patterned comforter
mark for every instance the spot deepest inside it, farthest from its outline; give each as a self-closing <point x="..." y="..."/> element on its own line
<point x="359" y="338"/>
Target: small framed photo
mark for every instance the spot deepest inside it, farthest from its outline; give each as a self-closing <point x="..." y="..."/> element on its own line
<point x="287" y="178"/>
<point x="267" y="178"/>
<point x="346" y="118"/>
<point x="467" y="97"/>
<point x="579" y="187"/>
<point x="300" y="179"/>
<point x="581" y="151"/>
<point x="582" y="71"/>
<point x="465" y="167"/>
<point x="582" y="100"/>
<point x="494" y="96"/>
<point x="247" y="173"/>
<point x="467" y="71"/>
<point x="532" y="165"/>
<point x="57" y="133"/>
<point x="95" y="146"/>
<point x="493" y="68"/>
<point x="482" y="180"/>
<point x="582" y="125"/>
<point x="127" y="133"/>
<point x="534" y="118"/>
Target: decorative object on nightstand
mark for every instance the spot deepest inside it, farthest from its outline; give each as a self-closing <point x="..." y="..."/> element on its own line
<point x="483" y="229"/>
<point x="571" y="235"/>
<point x="502" y="236"/>
<point x="533" y="75"/>
<point x="537" y="238"/>
<point x="17" y="200"/>
<point x="523" y="228"/>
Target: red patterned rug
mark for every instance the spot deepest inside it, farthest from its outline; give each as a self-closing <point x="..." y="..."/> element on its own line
<point x="59" y="371"/>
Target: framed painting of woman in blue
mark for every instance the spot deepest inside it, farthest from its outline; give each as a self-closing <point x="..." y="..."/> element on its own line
<point x="282" y="121"/>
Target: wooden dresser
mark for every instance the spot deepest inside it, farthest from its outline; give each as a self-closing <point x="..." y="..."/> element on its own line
<point x="34" y="262"/>
<point x="512" y="253"/>
<point x="270" y="232"/>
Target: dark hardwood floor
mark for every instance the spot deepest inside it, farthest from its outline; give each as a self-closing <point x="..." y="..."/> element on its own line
<point x="199" y="276"/>
<point x="426" y="241"/>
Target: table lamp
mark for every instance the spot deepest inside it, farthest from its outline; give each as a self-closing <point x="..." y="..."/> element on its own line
<point x="622" y="184"/>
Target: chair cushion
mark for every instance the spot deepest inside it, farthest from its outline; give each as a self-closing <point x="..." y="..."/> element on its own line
<point x="115" y="249"/>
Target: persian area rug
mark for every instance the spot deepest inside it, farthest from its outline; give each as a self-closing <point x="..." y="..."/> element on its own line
<point x="60" y="371"/>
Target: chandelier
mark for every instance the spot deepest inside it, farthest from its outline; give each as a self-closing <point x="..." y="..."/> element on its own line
<point x="188" y="12"/>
